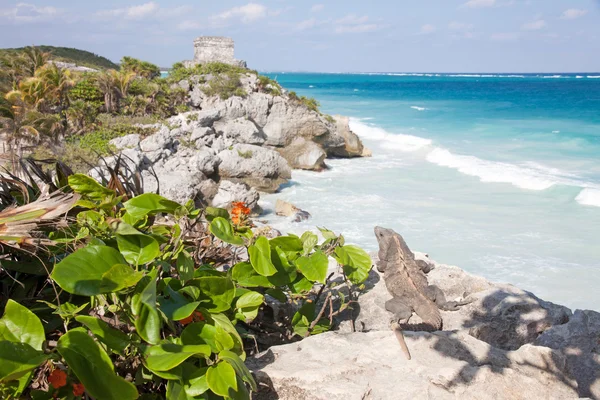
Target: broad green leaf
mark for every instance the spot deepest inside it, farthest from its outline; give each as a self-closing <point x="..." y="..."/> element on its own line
<point x="223" y="321"/>
<point x="17" y="359"/>
<point x="249" y="303"/>
<point x="240" y="368"/>
<point x="32" y="267"/>
<point x="137" y="248"/>
<point x="355" y="261"/>
<point x="148" y="321"/>
<point x="287" y="243"/>
<point x="244" y="275"/>
<point x="216" y="293"/>
<point x="89" y="187"/>
<point x="20" y="325"/>
<point x="286" y="272"/>
<point x="302" y="319"/>
<point x="212" y="213"/>
<point x="185" y="266"/>
<point x="277" y="294"/>
<point x="197" y="383"/>
<point x="166" y="356"/>
<point x="222" y="228"/>
<point x="260" y="257"/>
<point x="176" y="391"/>
<point x="309" y="241"/>
<point x="327" y="234"/>
<point x="149" y="204"/>
<point x="113" y="338"/>
<point x="314" y="267"/>
<point x="221" y="378"/>
<point x="241" y="393"/>
<point x="200" y="333"/>
<point x="83" y="272"/>
<point x="93" y="367"/>
<point x="175" y="306"/>
<point x="301" y="285"/>
<point x="223" y="339"/>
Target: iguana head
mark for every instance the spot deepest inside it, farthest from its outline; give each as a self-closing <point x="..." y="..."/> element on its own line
<point x="385" y="238"/>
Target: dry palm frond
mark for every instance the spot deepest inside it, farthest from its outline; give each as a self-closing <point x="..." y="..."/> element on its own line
<point x="19" y="225"/>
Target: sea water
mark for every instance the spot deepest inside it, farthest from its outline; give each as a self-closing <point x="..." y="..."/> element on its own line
<point x="496" y="173"/>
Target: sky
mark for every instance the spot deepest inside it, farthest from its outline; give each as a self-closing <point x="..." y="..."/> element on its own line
<point x="325" y="36"/>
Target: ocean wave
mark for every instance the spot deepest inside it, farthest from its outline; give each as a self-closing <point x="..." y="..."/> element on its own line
<point x="419" y="108"/>
<point x="593" y="76"/>
<point x="405" y="143"/>
<point x="552" y="76"/>
<point x="529" y="175"/>
<point x="589" y="197"/>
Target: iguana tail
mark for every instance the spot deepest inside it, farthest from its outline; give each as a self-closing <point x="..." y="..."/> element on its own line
<point x="430" y="314"/>
<point x="400" y="336"/>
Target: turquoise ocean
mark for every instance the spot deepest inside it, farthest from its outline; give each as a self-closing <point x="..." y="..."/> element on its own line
<point x="498" y="174"/>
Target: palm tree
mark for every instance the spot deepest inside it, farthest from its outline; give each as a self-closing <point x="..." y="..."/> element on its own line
<point x="34" y="58"/>
<point x="58" y="81"/>
<point x="114" y="85"/>
<point x="20" y="125"/>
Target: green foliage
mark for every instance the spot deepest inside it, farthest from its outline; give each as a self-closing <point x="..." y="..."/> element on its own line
<point x="70" y="55"/>
<point x="137" y="310"/>
<point x="180" y="72"/>
<point x="245" y="154"/>
<point x="143" y="69"/>
<point x="86" y="90"/>
<point x="225" y="85"/>
<point x="310" y="103"/>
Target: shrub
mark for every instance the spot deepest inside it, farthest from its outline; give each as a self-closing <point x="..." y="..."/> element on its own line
<point x="145" y="306"/>
<point x="310" y="103"/>
<point x="87" y="91"/>
<point x="225" y="86"/>
<point x="140" y="68"/>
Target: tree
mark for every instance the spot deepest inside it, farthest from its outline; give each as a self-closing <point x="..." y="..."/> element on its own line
<point x="140" y="68"/>
<point x="33" y="59"/>
<point x="58" y="82"/>
<point x="114" y="85"/>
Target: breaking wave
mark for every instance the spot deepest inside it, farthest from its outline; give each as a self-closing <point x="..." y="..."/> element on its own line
<point x="589" y="197"/>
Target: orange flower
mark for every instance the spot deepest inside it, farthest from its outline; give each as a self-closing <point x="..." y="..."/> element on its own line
<point x="78" y="389"/>
<point x="198" y="316"/>
<point x="239" y="212"/>
<point x="57" y="378"/>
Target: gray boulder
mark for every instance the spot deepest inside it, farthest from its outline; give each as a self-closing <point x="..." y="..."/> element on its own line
<point x="159" y="141"/>
<point x="445" y="365"/>
<point x="204" y="161"/>
<point x="229" y="192"/>
<point x="257" y="166"/>
<point x="240" y="130"/>
<point x="188" y="121"/>
<point x="304" y="154"/>
<point x="353" y="146"/>
<point x="285" y="209"/>
<point x="130" y="141"/>
<point x="579" y="342"/>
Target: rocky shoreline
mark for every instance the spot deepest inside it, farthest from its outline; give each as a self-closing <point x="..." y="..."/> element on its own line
<point x="506" y="344"/>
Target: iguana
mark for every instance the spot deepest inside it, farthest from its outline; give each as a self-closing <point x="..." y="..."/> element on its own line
<point x="407" y="283"/>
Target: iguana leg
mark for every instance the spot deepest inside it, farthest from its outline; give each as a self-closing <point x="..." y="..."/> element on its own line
<point x="400" y="310"/>
<point x="436" y="295"/>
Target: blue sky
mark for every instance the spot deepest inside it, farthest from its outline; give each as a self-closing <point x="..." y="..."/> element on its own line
<point x="328" y="36"/>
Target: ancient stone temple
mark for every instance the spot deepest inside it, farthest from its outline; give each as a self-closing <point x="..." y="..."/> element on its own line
<point x="214" y="49"/>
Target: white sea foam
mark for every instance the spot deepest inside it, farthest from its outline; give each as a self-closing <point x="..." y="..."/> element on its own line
<point x="401" y="142"/>
<point x="579" y="77"/>
<point x="555" y="131"/>
<point x="356" y="90"/>
<point x="419" y="108"/>
<point x="593" y="76"/>
<point x="552" y="76"/>
<point x="311" y="86"/>
<point x="589" y="197"/>
<point x="527" y="176"/>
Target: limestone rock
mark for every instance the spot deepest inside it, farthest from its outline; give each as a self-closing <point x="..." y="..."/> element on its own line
<point x="289" y="119"/>
<point x="304" y="154"/>
<point x="260" y="167"/>
<point x="230" y="192"/>
<point x="188" y="121"/>
<point x="158" y="141"/>
<point x="353" y="146"/>
<point x="285" y="209"/>
<point x="240" y="130"/>
<point x="579" y="341"/>
<point x="130" y="141"/>
<point x="205" y="161"/>
<point x="445" y="365"/>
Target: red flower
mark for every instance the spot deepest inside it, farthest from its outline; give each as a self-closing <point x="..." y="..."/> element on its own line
<point x="239" y="212"/>
<point x="57" y="378"/>
<point x="78" y="389"/>
<point x="187" y="320"/>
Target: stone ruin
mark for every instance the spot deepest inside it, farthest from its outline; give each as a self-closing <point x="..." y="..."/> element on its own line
<point x="214" y="49"/>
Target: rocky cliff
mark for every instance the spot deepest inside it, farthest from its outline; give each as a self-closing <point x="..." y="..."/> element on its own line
<point x="229" y="147"/>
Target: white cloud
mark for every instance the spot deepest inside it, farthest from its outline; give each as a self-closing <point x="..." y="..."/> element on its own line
<point x="134" y="12"/>
<point x="427" y="29"/>
<point x="249" y="13"/>
<point x="479" y="3"/>
<point x="573" y="13"/>
<point x="362" y="28"/>
<point x="306" y="24"/>
<point x="317" y="7"/>
<point x="505" y="37"/>
<point x="459" y="26"/>
<point x="25" y="13"/>
<point x="534" y="25"/>
<point x="354" y="24"/>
